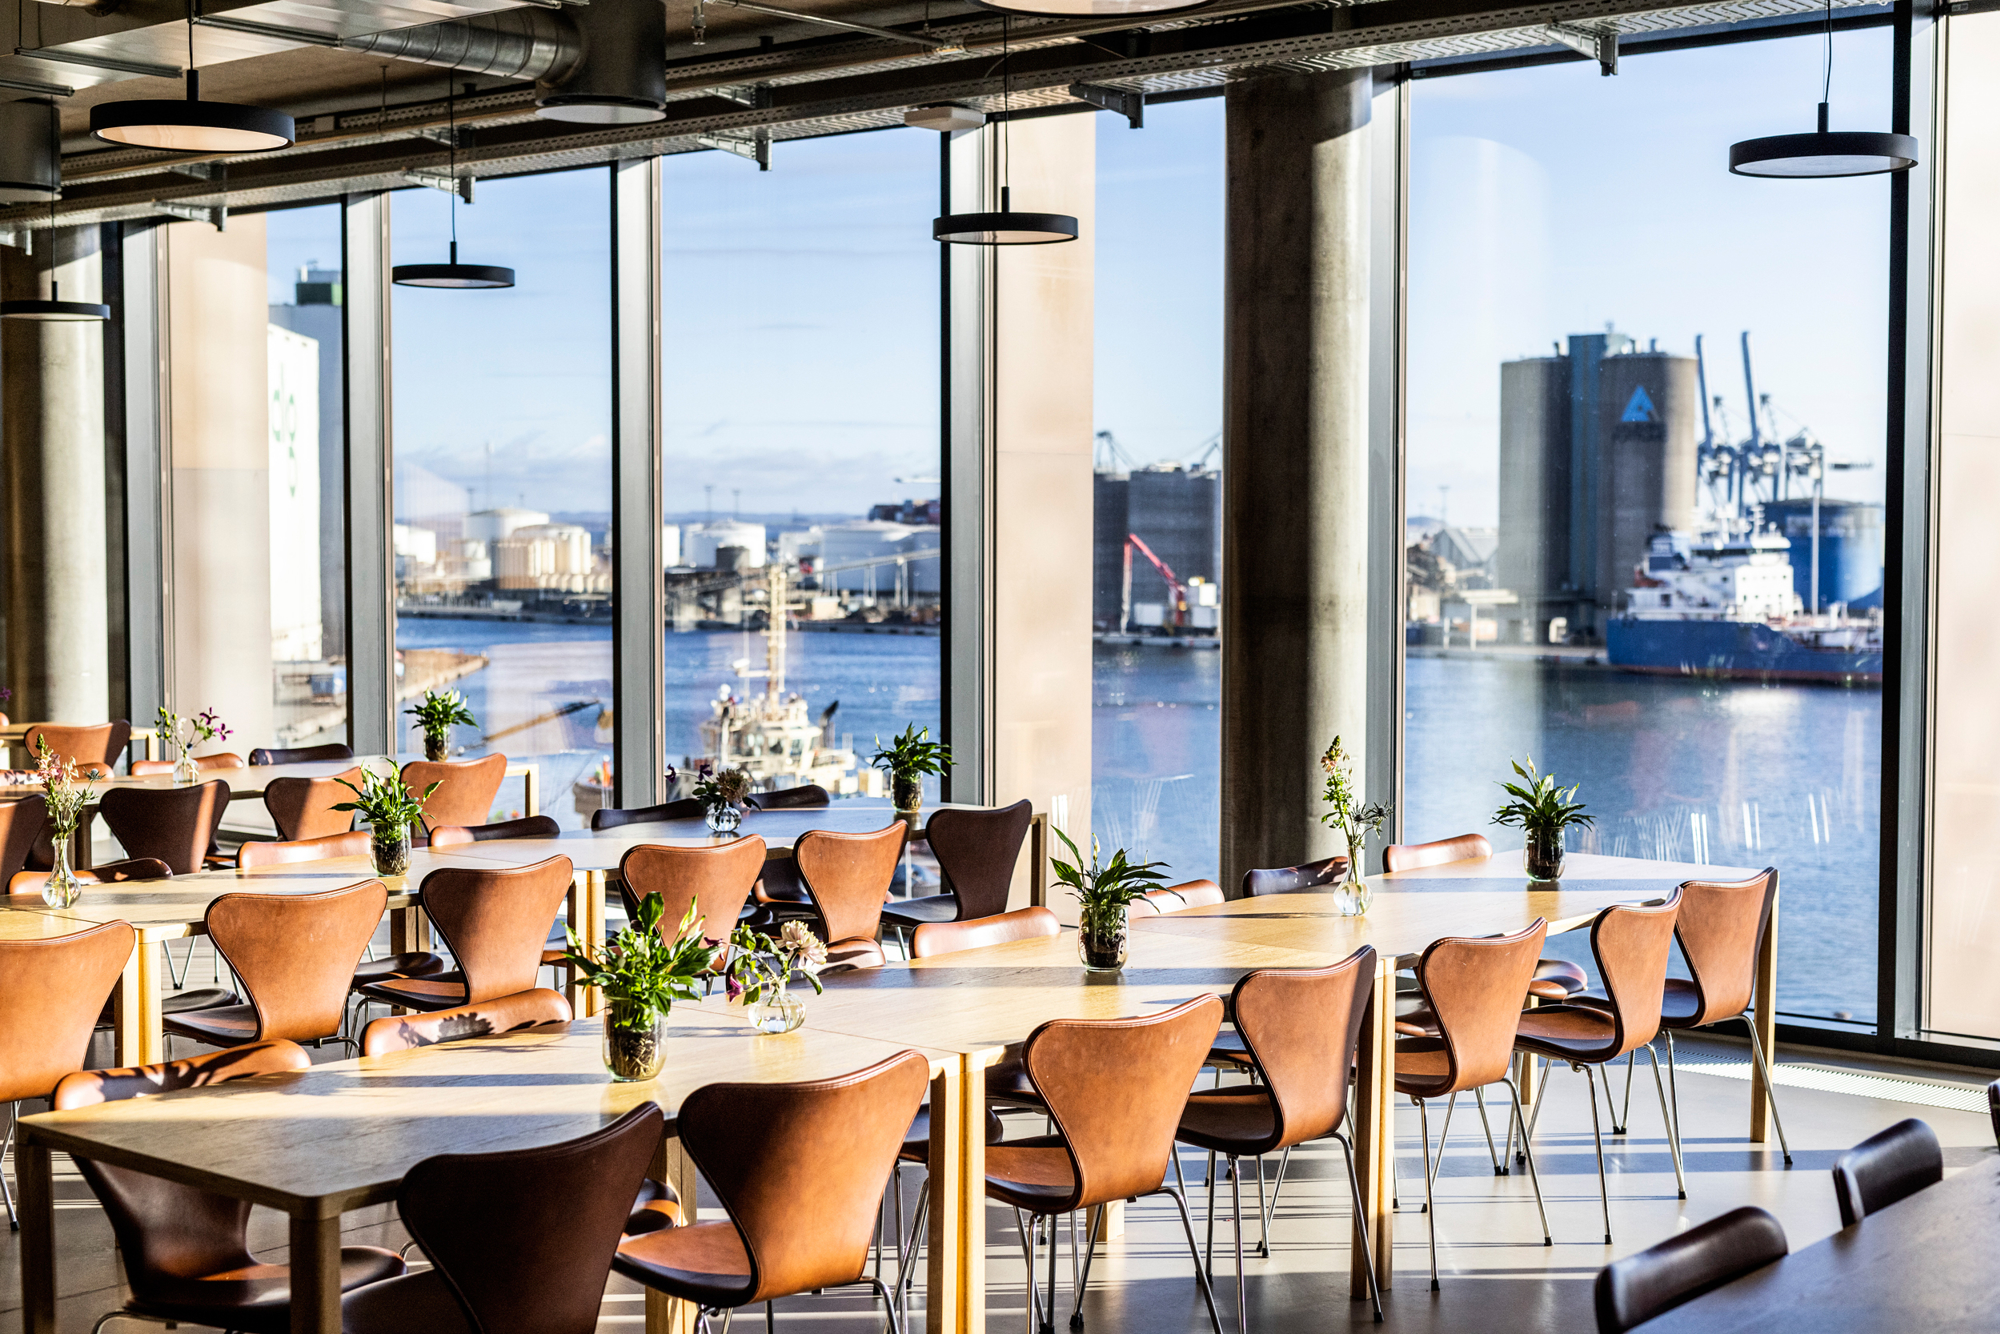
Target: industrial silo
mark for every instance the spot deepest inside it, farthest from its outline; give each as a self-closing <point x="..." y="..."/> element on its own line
<point x="1533" y="558"/>
<point x="1109" y="524"/>
<point x="1648" y="404"/>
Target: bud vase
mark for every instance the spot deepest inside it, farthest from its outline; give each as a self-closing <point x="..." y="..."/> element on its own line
<point x="62" y="888"/>
<point x="778" y="1012"/>
<point x="723" y="817"/>
<point x="186" y="771"/>
<point x="1352" y="895"/>
<point x="635" y="1042"/>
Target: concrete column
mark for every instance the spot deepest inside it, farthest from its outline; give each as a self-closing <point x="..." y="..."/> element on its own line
<point x="52" y="461"/>
<point x="1295" y="471"/>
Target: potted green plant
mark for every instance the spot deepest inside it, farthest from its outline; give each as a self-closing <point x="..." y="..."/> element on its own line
<point x="642" y="973"/>
<point x="760" y="970"/>
<point x="436" y="713"/>
<point x="65" y="795"/>
<point x="1355" y="820"/>
<point x="1104" y="891"/>
<point x="389" y="809"/>
<point x="908" y="759"/>
<point x="184" y="734"/>
<point x="1541" y="811"/>
<point x="722" y="796"/>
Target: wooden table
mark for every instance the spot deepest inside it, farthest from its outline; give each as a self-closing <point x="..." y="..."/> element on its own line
<point x="272" y="1139"/>
<point x="1923" y="1263"/>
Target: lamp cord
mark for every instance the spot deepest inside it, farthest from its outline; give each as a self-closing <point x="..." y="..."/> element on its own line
<point x="1826" y="79"/>
<point x="451" y="143"/>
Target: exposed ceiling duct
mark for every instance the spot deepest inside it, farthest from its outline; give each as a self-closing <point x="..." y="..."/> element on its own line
<point x="525" y="45"/>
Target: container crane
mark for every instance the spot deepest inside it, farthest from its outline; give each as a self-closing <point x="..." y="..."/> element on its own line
<point x="1175" y="588"/>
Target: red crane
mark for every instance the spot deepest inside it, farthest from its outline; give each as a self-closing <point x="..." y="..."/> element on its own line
<point x="1176" y="589"/>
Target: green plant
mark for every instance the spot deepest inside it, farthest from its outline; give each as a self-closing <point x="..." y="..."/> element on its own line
<point x="1346" y="812"/>
<point x="1540" y="807"/>
<point x="187" y="733"/>
<point x="438" y="711"/>
<point x="385" y="803"/>
<point x="731" y="787"/>
<point x="911" y="754"/>
<point x="1103" y="890"/>
<point x="760" y="966"/>
<point x="641" y="968"/>
<point x="64" y="793"/>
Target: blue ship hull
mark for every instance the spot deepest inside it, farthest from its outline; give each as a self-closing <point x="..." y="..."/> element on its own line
<point x="1732" y="650"/>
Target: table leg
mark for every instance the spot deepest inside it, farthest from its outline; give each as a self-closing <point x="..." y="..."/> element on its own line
<point x="36" y="1209"/>
<point x="79" y="843"/>
<point x="1765" y="1017"/>
<point x="141" y="1039"/>
<point x="315" y="1274"/>
<point x="664" y="1314"/>
<point x="409" y="930"/>
<point x="592" y="1000"/>
<point x="955" y="1278"/>
<point x="1374" y="1134"/>
<point x="531" y="789"/>
<point x="1038" y="860"/>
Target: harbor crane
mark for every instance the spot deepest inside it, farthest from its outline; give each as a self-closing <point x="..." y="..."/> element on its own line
<point x="1177" y="591"/>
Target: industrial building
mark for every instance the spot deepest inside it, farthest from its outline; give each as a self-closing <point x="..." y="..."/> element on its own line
<point x="1176" y="512"/>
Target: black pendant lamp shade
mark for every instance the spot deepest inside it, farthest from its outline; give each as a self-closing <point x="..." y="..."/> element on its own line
<point x="30" y="166"/>
<point x="190" y="125"/>
<point x="1824" y="154"/>
<point x="1005" y="227"/>
<point x="453" y="274"/>
<point x="55" y="310"/>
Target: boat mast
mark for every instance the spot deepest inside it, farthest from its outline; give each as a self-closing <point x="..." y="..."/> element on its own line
<point x="774" y="634"/>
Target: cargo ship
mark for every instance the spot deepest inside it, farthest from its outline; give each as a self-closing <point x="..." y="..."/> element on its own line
<point x="1722" y="604"/>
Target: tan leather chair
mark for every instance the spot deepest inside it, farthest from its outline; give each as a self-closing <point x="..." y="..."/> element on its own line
<point x="295" y="956"/>
<point x="717" y="880"/>
<point x="1177" y="898"/>
<point x="332" y="750"/>
<point x="176" y="825"/>
<point x="976" y="851"/>
<point x="933" y="938"/>
<point x="98" y="746"/>
<point x="1473" y="987"/>
<point x="263" y="852"/>
<point x="749" y="1141"/>
<point x="1555" y="979"/>
<point x="1639" y="1287"/>
<point x="687" y="808"/>
<point x="495" y="924"/>
<point x="466" y="788"/>
<point x="202" y="763"/>
<point x="494" y="1018"/>
<point x="519" y="1241"/>
<point x="21" y="823"/>
<point x="1301" y="1027"/>
<point x="1632" y="944"/>
<point x="528" y="826"/>
<point x="186" y="1252"/>
<point x="303" y="808"/>
<point x="847" y="877"/>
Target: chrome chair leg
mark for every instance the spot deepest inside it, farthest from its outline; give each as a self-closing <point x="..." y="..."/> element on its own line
<point x="1529" y="1156"/>
<point x="1444" y="1133"/>
<point x="1284" y="1159"/>
<point x="1194" y="1253"/>
<point x="1673" y="1131"/>
<point x="1770" y="1089"/>
<point x="1236" y="1209"/>
<point x="1492" y="1152"/>
<point x="1034" y="1294"/>
<point x="1089" y="1254"/>
<point x="1208" y="1266"/>
<point x="13" y="1115"/>
<point x="1673" y="1084"/>
<point x="1603" y="1187"/>
<point x="1361" y="1225"/>
<point x="895" y="1324"/>
<point x="1625" y="1114"/>
<point x="1263" y="1215"/>
<point x="1424" y="1129"/>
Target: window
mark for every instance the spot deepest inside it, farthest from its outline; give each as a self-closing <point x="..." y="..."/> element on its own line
<point x="1613" y="559"/>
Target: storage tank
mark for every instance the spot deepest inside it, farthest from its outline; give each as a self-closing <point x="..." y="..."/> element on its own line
<point x="1533" y="556"/>
<point x="1850" y="549"/>
<point x="703" y="540"/>
<point x="1648" y="404"/>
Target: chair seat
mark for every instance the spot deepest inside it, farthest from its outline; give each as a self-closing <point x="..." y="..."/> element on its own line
<point x="415" y="963"/>
<point x="223" y="1026"/>
<point x="658" y="1207"/>
<point x="1238" y="1121"/>
<point x="412" y="1302"/>
<point x="1423" y="1066"/>
<point x="919" y="912"/>
<point x="1680" y="1004"/>
<point x="1566" y="1032"/>
<point x="917" y="1143"/>
<point x="1008" y="1082"/>
<point x="440" y="991"/>
<point x="1032" y="1174"/>
<point x="856" y="952"/>
<point x="257" y="1298"/>
<point x="177" y="1002"/>
<point x="1229" y="1050"/>
<point x="1569" y="976"/>
<point x="702" y="1262"/>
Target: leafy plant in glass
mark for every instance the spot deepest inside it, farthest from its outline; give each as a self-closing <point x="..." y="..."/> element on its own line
<point x="761" y="968"/>
<point x="1104" y="891"/>
<point x="909" y="758"/>
<point x="437" y="713"/>
<point x="1356" y="820"/>
<point x="1542" y="811"/>
<point x="388" y="807"/>
<point x="642" y="973"/>
<point x="184" y="734"/>
<point x="722" y="796"/>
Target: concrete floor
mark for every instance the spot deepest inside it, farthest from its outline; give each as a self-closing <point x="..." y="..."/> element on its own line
<point x="1495" y="1273"/>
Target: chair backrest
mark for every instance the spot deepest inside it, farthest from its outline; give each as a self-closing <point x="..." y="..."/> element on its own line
<point x="97" y="746"/>
<point x="175" y="824"/>
<point x="717" y="879"/>
<point x="304" y="807"/>
<point x="1415" y="856"/>
<point x="496" y="922"/>
<point x="503" y="1014"/>
<point x="1886" y="1167"/>
<point x="1474" y="985"/>
<point x="1301" y="1027"/>
<point x="1116" y="1089"/>
<point x="166" y="1231"/>
<point x="847" y="876"/>
<point x="1293" y="879"/>
<point x="1175" y="898"/>
<point x="524" y="1239"/>
<point x="264" y="852"/>
<point x="1639" y="1287"/>
<point x="202" y="763"/>
<point x="466" y="788"/>
<point x="803" y="796"/>
<point x="51" y="992"/>
<point x="528" y="826"/>
<point x="21" y="823"/>
<point x="977" y="852"/>
<point x="295" y="953"/>
<point x="332" y="750"/>
<point x="948" y="937"/>
<point x="1632" y="943"/>
<point x="687" y="808"/>
<point x="756" y="1143"/>
<point x="104" y="873"/>
<point x="1720" y="926"/>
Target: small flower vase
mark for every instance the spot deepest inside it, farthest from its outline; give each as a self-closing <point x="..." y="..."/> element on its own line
<point x="778" y="1012"/>
<point x="437" y="746"/>
<point x="635" y="1042"/>
<point x="62" y="888"/>
<point x="391" y="850"/>
<point x="1545" y="854"/>
<point x="186" y="772"/>
<point x="1353" y="894"/>
<point x="907" y="792"/>
<point x="723" y="817"/>
<point x="1100" y="942"/>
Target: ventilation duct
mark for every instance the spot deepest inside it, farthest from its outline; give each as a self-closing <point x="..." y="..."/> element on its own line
<point x="622" y="77"/>
<point x="517" y="44"/>
<point x="29" y="170"/>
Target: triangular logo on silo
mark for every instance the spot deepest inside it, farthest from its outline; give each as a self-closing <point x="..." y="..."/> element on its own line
<point x="1639" y="408"/>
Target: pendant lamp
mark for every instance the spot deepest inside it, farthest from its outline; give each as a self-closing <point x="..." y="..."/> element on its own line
<point x="30" y="166"/>
<point x="1825" y="153"/>
<point x="55" y="310"/>
<point x="453" y="274"/>
<point x="191" y="125"/>
<point x="1005" y="227"/>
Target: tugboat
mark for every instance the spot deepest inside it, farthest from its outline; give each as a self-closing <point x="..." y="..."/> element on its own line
<point x="772" y="735"/>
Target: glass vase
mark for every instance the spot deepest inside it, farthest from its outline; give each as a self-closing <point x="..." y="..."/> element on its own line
<point x="635" y="1042"/>
<point x="391" y="852"/>
<point x="62" y="888"/>
<point x="778" y="1012"/>
<point x="1353" y="894"/>
<point x="186" y="772"/>
<point x="1544" y="854"/>
<point x="437" y="746"/>
<point x="907" y="792"/>
<point x="1101" y="941"/>
<point x="723" y="817"/>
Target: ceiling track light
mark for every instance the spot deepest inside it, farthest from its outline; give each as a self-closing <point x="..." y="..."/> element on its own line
<point x="192" y="125"/>
<point x="453" y="275"/>
<point x="1826" y="153"/>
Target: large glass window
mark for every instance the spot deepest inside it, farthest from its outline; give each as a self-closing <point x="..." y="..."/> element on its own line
<point x="1156" y="577"/>
<point x="503" y="479"/>
<point x="802" y="505"/>
<point x="1647" y="418"/>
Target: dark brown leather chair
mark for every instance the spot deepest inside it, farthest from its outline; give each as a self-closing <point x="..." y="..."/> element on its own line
<point x="177" y="825"/>
<point x="749" y="1141"/>
<point x="186" y="1252"/>
<point x="1300" y="1027"/>
<point x="494" y="1018"/>
<point x="716" y="879"/>
<point x="976" y="851"/>
<point x="933" y="938"/>
<point x="1177" y="898"/>
<point x="1473" y="986"/>
<point x="202" y="763"/>
<point x="803" y="797"/>
<point x="1294" y="879"/>
<point x="687" y="808"/>
<point x="466" y="788"/>
<point x="295" y="956"/>
<point x="263" y="852"/>
<point x="1886" y="1167"/>
<point x="1992" y="1106"/>
<point x="1555" y="979"/>
<point x="332" y="750"/>
<point x="21" y="824"/>
<point x="1632" y="944"/>
<point x="495" y="924"/>
<point x="528" y="826"/>
<point x="847" y="877"/>
<point x="97" y="747"/>
<point x="1115" y="1090"/>
<point x="303" y="808"/>
<point x="519" y="1241"/>
<point x="1653" y="1282"/>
